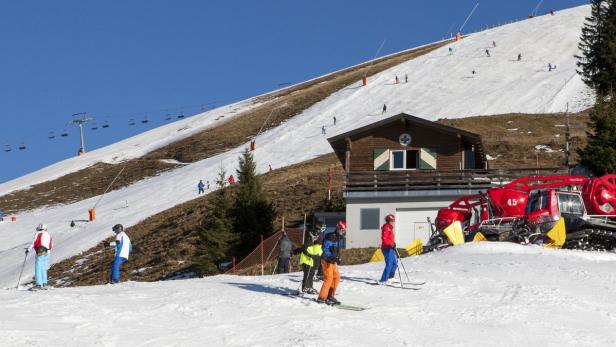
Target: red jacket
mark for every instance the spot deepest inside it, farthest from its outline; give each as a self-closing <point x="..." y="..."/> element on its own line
<point x="387" y="236"/>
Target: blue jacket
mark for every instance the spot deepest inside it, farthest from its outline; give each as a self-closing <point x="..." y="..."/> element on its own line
<point x="201" y="185"/>
<point x="331" y="247"/>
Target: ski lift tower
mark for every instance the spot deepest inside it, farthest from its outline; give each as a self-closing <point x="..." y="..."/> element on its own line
<point x="80" y="121"/>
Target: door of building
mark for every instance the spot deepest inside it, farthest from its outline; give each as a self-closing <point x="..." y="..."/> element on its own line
<point x="411" y="224"/>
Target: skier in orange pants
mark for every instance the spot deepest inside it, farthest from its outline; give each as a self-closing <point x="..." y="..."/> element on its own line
<point x="330" y="261"/>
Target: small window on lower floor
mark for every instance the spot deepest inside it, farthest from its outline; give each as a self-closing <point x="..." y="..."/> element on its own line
<point x="369" y="218"/>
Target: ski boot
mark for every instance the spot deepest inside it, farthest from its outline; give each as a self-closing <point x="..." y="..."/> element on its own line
<point x="311" y="291"/>
<point x="332" y="301"/>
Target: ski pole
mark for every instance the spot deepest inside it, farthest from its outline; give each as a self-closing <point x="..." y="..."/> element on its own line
<point x="22" y="270"/>
<point x="275" y="267"/>
<point x="401" y="263"/>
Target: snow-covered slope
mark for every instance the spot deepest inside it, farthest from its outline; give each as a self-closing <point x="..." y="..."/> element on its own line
<point x="440" y="85"/>
<point x="488" y="294"/>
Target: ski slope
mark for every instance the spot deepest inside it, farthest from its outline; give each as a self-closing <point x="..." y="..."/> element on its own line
<point x="440" y="85"/>
<point x="486" y="294"/>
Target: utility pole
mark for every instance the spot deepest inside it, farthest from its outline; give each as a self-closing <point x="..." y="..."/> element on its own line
<point x="567" y="140"/>
<point x="80" y="121"/>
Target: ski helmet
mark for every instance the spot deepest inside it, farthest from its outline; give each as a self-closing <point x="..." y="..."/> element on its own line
<point x="390" y="218"/>
<point x="341" y="225"/>
<point x="118" y="228"/>
<point x="41" y="227"/>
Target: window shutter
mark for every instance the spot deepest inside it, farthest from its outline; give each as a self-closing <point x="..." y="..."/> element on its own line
<point x="381" y="159"/>
<point x="428" y="159"/>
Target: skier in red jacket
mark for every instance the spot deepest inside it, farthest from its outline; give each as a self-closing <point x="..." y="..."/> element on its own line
<point x="388" y="247"/>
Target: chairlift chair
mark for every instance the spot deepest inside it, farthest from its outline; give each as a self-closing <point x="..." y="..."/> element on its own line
<point x="145" y="119"/>
<point x="167" y="117"/>
<point x="7" y="148"/>
<point x="64" y="133"/>
<point x="105" y="125"/>
<point x="181" y="115"/>
<point x="131" y="121"/>
<point x="94" y="126"/>
<point x="22" y="146"/>
<point x="51" y="135"/>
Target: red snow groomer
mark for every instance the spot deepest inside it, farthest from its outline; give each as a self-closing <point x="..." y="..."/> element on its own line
<point x="556" y="211"/>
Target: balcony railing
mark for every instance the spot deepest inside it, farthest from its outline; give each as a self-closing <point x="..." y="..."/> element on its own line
<point x="421" y="180"/>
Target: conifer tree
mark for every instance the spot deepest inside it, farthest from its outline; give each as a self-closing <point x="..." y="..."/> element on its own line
<point x="252" y="213"/>
<point x="215" y="234"/>
<point x="598" y="46"/>
<point x="598" y="70"/>
<point x="599" y="155"/>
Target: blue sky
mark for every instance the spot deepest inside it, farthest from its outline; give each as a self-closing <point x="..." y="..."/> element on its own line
<point x="118" y="60"/>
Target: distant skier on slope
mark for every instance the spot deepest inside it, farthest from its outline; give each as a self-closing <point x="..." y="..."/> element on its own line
<point x="307" y="254"/>
<point x="231" y="180"/>
<point x="520" y="57"/>
<point x="285" y="247"/>
<point x="384" y="108"/>
<point x="334" y="117"/>
<point x="494" y="44"/>
<point x="406" y="78"/>
<point x="551" y="67"/>
<point x="488" y="53"/>
<point x="450" y="51"/>
<point x="201" y="187"/>
<point x="42" y="245"/>
<point x="331" y="255"/>
<point x="323" y="130"/>
<point x="123" y="247"/>
<point x="388" y="247"/>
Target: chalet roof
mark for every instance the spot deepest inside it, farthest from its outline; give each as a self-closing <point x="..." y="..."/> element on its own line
<point x="467" y="136"/>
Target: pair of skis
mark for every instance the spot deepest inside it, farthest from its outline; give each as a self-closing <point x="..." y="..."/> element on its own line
<point x="301" y="296"/>
<point x="401" y="285"/>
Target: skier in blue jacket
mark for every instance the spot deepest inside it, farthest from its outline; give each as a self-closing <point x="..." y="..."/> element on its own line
<point x="123" y="248"/>
<point x="201" y="186"/>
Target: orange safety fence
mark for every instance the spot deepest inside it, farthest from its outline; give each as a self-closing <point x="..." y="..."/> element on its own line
<point x="262" y="260"/>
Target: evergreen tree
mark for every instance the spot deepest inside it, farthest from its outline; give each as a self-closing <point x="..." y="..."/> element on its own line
<point x="599" y="155"/>
<point x="598" y="46"/>
<point x="252" y="213"/>
<point x="215" y="233"/>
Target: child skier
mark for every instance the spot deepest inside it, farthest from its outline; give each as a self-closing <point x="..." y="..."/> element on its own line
<point x="42" y="244"/>
<point x="310" y="252"/>
<point x="331" y="253"/>
<point x="123" y="248"/>
<point x="201" y="187"/>
<point x="388" y="247"/>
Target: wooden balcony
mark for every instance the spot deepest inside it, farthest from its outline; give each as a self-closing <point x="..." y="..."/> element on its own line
<point x="373" y="181"/>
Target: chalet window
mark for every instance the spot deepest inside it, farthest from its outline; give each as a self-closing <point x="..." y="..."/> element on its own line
<point x="404" y="160"/>
<point x="369" y="218"/>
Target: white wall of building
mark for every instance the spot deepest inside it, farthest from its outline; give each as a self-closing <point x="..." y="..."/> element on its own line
<point x="410" y="214"/>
